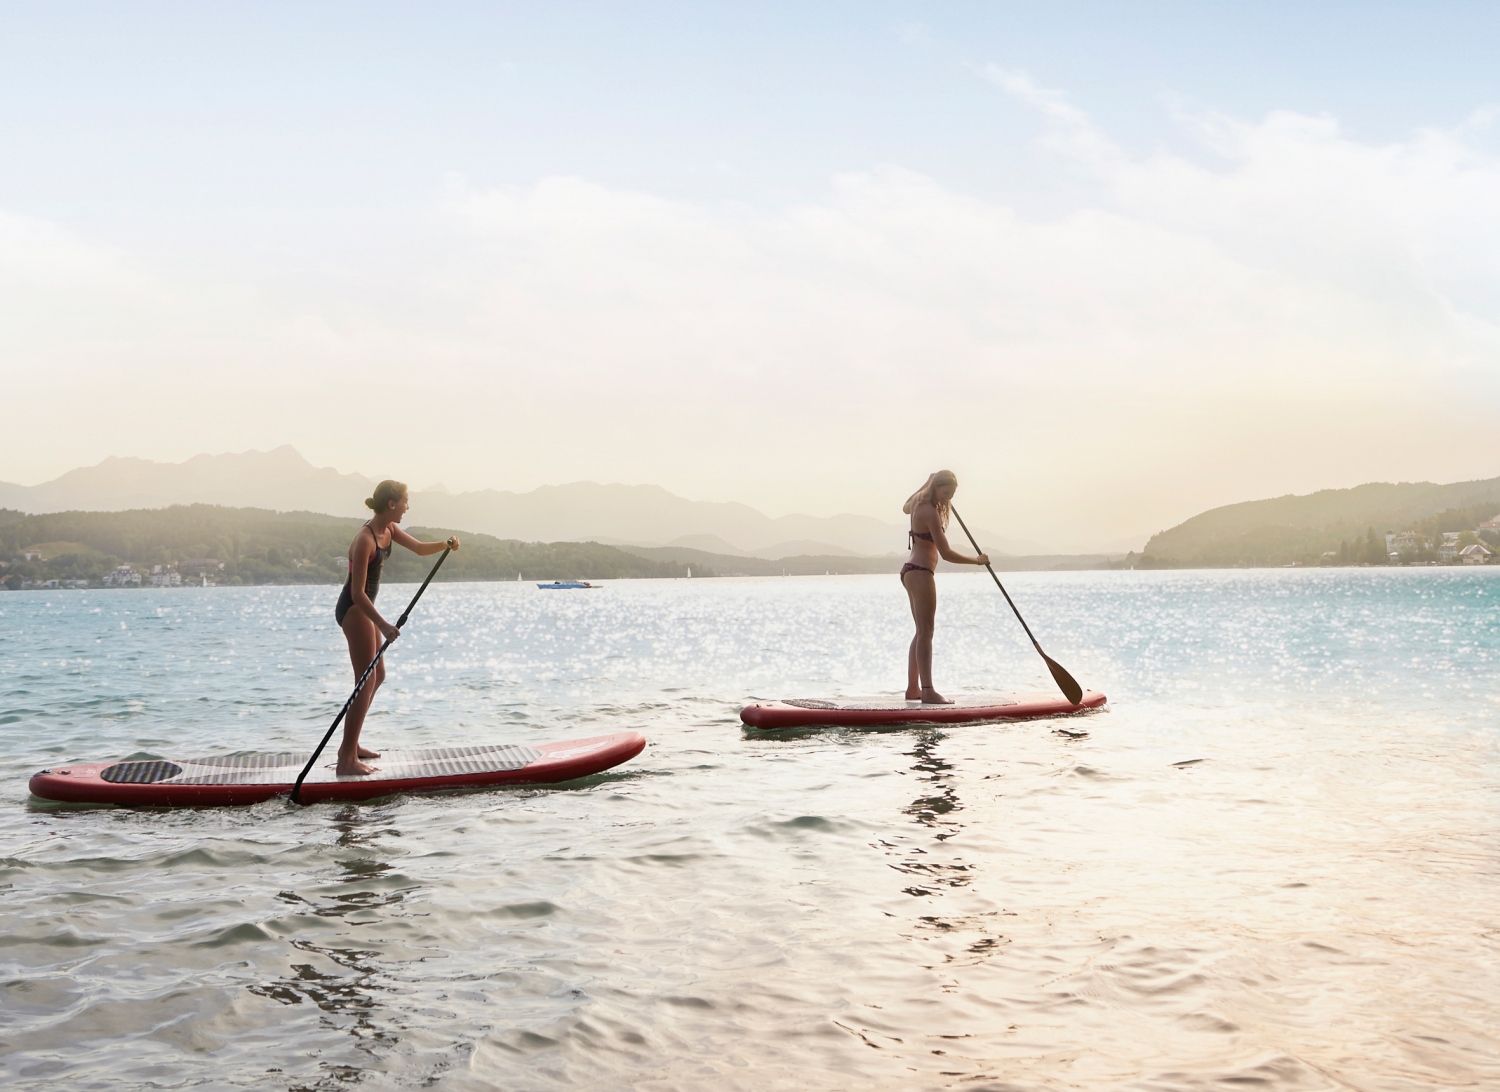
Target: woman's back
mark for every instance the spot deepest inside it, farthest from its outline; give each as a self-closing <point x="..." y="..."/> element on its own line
<point x="920" y="537"/>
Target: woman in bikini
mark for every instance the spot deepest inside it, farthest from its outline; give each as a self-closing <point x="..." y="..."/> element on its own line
<point x="928" y="508"/>
<point x="356" y="614"/>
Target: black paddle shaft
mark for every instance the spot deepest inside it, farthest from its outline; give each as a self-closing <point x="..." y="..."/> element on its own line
<point x="297" y="788"/>
<point x="1065" y="682"/>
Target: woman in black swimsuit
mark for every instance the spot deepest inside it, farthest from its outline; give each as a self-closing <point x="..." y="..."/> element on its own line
<point x="356" y="614"/>
<point x="928" y="508"/>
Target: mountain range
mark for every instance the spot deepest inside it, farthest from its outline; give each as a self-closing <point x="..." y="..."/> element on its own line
<point x="1279" y="530"/>
<point x="638" y="515"/>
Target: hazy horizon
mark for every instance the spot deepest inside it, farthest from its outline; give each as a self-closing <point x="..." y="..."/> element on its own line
<point x="1115" y="265"/>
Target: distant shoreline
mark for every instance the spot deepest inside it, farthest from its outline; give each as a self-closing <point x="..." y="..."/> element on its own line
<point x="958" y="570"/>
<point x="190" y="544"/>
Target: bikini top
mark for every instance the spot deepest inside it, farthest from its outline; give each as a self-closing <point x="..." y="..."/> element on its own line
<point x="916" y="534"/>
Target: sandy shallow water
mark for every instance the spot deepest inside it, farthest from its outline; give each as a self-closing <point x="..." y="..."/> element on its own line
<point x="1271" y="863"/>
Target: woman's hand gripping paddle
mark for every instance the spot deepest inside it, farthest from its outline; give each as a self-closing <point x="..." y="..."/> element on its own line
<point x="1065" y="682"/>
<point x="297" y="788"/>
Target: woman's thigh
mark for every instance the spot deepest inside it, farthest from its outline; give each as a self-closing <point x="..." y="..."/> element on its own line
<point x="363" y="638"/>
<point x="921" y="590"/>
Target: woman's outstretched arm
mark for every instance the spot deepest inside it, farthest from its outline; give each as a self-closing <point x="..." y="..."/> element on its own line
<point x="422" y="549"/>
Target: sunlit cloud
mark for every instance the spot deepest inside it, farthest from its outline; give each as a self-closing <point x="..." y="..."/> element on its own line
<point x="1284" y="309"/>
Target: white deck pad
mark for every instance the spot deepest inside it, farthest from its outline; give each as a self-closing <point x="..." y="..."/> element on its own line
<point x="283" y="768"/>
<point x="968" y="701"/>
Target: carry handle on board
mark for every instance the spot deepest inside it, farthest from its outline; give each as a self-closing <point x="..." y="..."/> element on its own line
<point x="1065" y="682"/>
<point x="297" y="788"/>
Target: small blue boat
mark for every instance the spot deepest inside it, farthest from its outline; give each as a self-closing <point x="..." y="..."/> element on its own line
<point x="563" y="585"/>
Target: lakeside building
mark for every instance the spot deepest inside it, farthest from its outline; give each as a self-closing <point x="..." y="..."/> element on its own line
<point x="122" y="577"/>
<point x="1405" y="547"/>
<point x="1398" y="543"/>
<point x="166" y="579"/>
<point x="1405" y="540"/>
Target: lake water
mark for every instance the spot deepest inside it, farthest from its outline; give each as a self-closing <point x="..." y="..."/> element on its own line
<point x="1272" y="862"/>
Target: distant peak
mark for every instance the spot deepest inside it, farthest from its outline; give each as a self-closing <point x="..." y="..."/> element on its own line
<point x="285" y="453"/>
<point x="111" y="459"/>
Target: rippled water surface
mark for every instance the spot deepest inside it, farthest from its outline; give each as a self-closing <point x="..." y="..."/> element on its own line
<point x="1272" y="862"/>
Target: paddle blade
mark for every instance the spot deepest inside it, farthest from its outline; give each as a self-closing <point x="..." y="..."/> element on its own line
<point x="1065" y="682"/>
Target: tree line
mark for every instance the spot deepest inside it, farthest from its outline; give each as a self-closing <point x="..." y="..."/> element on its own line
<point x="1275" y="547"/>
<point x="256" y="546"/>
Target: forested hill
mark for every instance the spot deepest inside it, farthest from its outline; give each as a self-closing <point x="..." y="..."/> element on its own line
<point x="1303" y="528"/>
<point x="262" y="547"/>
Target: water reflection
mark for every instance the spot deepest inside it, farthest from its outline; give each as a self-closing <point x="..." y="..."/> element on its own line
<point x="936" y="773"/>
<point x="936" y="809"/>
<point x="346" y="983"/>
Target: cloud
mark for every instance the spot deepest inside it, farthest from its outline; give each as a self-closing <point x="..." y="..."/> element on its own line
<point x="62" y="292"/>
<point x="1287" y="309"/>
<point x="1072" y="131"/>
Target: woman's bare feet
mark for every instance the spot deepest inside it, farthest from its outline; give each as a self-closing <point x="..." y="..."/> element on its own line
<point x="913" y="693"/>
<point x="356" y="768"/>
<point x="932" y="697"/>
<point x="365" y="752"/>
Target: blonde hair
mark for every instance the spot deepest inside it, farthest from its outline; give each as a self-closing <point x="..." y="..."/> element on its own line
<point x="928" y="493"/>
<point x="387" y="493"/>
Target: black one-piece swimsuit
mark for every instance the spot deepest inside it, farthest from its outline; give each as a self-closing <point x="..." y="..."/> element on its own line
<point x="372" y="579"/>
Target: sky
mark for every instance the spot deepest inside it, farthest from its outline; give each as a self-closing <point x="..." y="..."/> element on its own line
<point x="1112" y="263"/>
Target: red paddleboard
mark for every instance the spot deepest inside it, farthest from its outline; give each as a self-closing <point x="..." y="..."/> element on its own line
<point x="875" y="712"/>
<point x="251" y="778"/>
